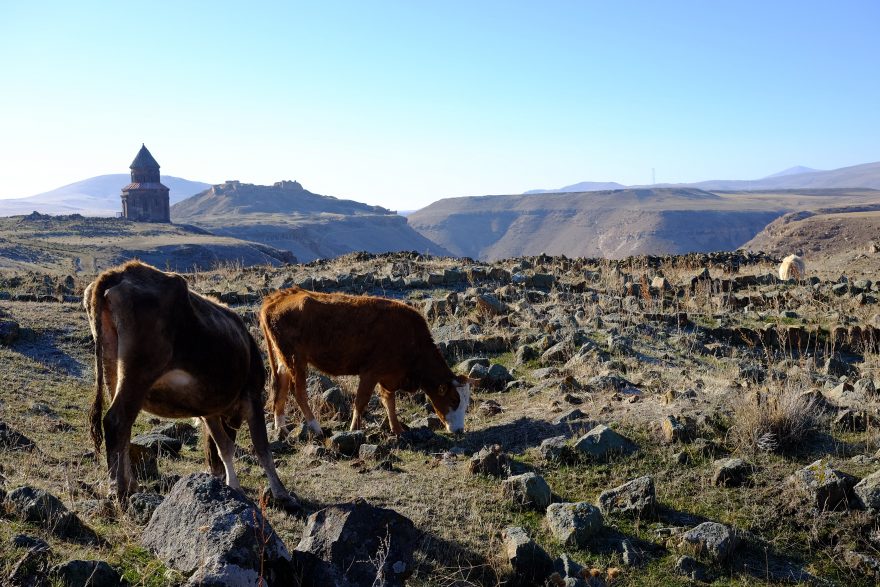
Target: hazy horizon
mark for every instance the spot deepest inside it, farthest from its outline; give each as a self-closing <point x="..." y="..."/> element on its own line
<point x="401" y="104"/>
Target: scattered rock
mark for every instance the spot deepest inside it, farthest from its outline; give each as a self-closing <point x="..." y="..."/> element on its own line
<point x="573" y="524"/>
<point x="528" y="489"/>
<point x="531" y="563"/>
<point x="556" y="449"/>
<point x="347" y="443"/>
<point x="826" y="488"/>
<point x="9" y="331"/>
<point x="25" y="541"/>
<point x="144" y="462"/>
<point x="82" y="573"/>
<point x="182" y="431"/>
<point x="338" y="401"/>
<point x="353" y="536"/>
<point x="141" y="507"/>
<point x="602" y="442"/>
<point x="862" y="563"/>
<point x="731" y="472"/>
<point x="710" y="541"/>
<point x="867" y="492"/>
<point x="159" y="444"/>
<point x="30" y="570"/>
<point x="492" y="305"/>
<point x="692" y="569"/>
<point x="490" y="408"/>
<point x="11" y="439"/>
<point x="634" y="498"/>
<point x="205" y="527"/>
<point x="30" y="504"/>
<point x="490" y="461"/>
<point x="675" y="430"/>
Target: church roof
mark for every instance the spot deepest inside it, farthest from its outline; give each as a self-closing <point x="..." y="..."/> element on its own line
<point x="144" y="160"/>
<point x="151" y="186"/>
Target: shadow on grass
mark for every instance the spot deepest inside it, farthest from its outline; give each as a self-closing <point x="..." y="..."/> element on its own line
<point x="42" y="349"/>
<point x="523" y="433"/>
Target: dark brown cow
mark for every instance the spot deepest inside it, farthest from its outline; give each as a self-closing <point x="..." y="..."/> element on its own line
<point x="382" y="341"/>
<point x="175" y="354"/>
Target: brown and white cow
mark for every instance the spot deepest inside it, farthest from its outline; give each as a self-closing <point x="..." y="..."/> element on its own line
<point x="171" y="352"/>
<point x="382" y="341"/>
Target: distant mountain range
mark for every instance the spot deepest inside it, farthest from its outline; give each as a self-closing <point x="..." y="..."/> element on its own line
<point x="287" y="216"/>
<point x="866" y="175"/>
<point x="95" y="196"/>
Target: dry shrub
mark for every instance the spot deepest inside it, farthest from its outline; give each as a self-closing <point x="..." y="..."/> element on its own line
<point x="776" y="421"/>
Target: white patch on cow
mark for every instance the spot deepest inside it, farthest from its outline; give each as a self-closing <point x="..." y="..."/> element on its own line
<point x="315" y="428"/>
<point x="176" y="379"/>
<point x="455" y="418"/>
<point x="280" y="421"/>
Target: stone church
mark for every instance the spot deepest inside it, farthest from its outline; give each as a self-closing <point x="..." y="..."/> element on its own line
<point x="145" y="199"/>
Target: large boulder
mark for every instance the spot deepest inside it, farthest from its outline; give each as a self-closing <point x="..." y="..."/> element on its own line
<point x="531" y="563"/>
<point x="573" y="524"/>
<point x="205" y="527"/>
<point x="635" y="498"/>
<point x="356" y="537"/>
<point x="602" y="443"/>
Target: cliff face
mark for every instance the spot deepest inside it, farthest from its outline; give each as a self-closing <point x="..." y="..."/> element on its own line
<point x="286" y="216"/>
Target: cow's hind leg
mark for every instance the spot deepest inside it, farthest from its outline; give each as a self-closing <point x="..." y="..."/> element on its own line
<point x="117" y="425"/>
<point x="301" y="391"/>
<point x="225" y="446"/>
<point x="281" y="382"/>
<point x="260" y="440"/>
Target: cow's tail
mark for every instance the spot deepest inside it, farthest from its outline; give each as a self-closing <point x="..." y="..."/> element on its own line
<point x="96" y="304"/>
<point x="272" y="352"/>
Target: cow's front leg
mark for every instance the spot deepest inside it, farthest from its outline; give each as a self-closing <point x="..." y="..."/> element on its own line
<point x="390" y="402"/>
<point x="361" y="399"/>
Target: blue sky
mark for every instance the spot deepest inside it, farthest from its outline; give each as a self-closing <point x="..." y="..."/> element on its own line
<point x="403" y="103"/>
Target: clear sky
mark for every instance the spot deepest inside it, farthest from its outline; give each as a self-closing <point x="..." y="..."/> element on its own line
<point x="403" y="103"/>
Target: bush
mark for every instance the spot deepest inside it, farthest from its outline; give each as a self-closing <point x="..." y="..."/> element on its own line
<point x="776" y="422"/>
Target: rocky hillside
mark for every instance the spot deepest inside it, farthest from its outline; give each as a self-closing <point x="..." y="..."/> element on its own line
<point x="612" y="223"/>
<point x="647" y="421"/>
<point x="76" y="244"/>
<point x="823" y="232"/>
<point x="287" y="216"/>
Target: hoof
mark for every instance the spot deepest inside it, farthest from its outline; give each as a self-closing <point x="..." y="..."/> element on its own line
<point x="288" y="502"/>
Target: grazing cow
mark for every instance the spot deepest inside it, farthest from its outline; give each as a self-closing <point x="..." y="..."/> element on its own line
<point x="792" y="267"/>
<point x="175" y="354"/>
<point x="382" y="341"/>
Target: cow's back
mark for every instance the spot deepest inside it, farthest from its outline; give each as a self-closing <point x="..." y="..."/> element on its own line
<point x="343" y="334"/>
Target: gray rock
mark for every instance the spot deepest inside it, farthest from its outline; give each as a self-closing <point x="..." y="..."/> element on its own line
<point x="353" y="535"/>
<point x="525" y="353"/>
<point x="347" y="443"/>
<point x="338" y="401"/>
<point x="11" y="439"/>
<point x="556" y="449"/>
<point x="602" y="442"/>
<point x="30" y="504"/>
<point x="837" y="368"/>
<point x="692" y="569"/>
<point x="205" y="523"/>
<point x="83" y="573"/>
<point x="31" y="569"/>
<point x="490" y="460"/>
<point x="731" y="472"/>
<point x="468" y="364"/>
<point x="634" y="498"/>
<point x="569" y="569"/>
<point x="676" y="430"/>
<point x="141" y="507"/>
<point x="492" y="305"/>
<point x="144" y="462"/>
<point x="25" y="541"/>
<point x="531" y="563"/>
<point x="499" y="376"/>
<point x="528" y="489"/>
<point x="826" y="488"/>
<point x="182" y="431"/>
<point x="160" y="444"/>
<point x="709" y="541"/>
<point x="9" y="331"/>
<point x="867" y="491"/>
<point x="573" y="524"/>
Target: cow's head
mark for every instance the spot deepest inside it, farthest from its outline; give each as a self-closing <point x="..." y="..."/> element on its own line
<point x="451" y="402"/>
